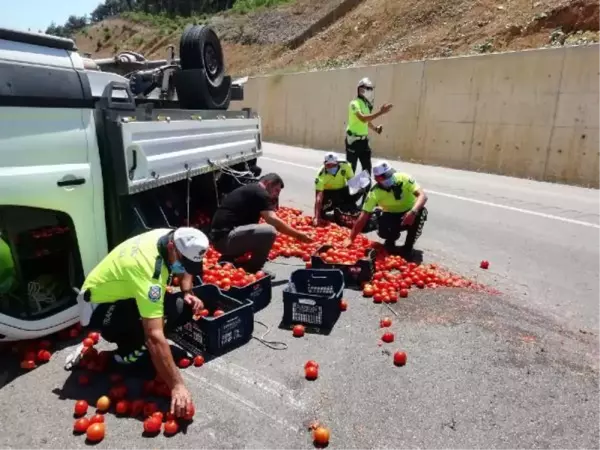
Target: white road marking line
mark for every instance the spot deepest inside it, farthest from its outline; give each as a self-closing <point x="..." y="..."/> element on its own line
<point x="252" y="379"/>
<point x="472" y="200"/>
<point x="211" y="385"/>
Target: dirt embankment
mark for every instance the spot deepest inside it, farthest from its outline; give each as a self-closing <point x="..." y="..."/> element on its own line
<point x="316" y="34"/>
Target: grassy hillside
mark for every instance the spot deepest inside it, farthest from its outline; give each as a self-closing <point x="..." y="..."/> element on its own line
<point x="275" y="37"/>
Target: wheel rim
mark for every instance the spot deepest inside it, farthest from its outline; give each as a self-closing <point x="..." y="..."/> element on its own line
<point x="211" y="62"/>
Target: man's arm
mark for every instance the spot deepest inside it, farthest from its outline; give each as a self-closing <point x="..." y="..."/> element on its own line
<point x="318" y="205"/>
<point x="186" y="285"/>
<point x="421" y="199"/>
<point x="370" y="117"/>
<point x="358" y="226"/>
<point x="272" y="219"/>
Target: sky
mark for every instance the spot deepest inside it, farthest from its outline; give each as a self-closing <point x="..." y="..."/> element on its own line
<point x="38" y="14"/>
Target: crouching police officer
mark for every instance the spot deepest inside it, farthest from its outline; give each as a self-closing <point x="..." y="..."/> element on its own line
<point x="123" y="297"/>
<point x="331" y="186"/>
<point x="402" y="202"/>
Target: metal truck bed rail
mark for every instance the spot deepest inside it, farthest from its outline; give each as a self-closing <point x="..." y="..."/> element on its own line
<point x="150" y="147"/>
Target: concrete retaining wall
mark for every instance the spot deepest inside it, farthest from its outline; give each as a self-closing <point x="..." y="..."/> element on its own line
<point x="531" y="114"/>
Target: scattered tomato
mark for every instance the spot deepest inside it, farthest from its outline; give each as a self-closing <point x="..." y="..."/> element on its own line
<point x="311" y="363"/>
<point x="218" y="313"/>
<point x="97" y="418"/>
<point x="94" y="336"/>
<point x="150" y="408"/>
<point x="87" y="342"/>
<point x="28" y="364"/>
<point x="403" y="293"/>
<point x="158" y="415"/>
<point x="321" y="436"/>
<point x="385" y="322"/>
<point x="298" y="331"/>
<point x="184" y="363"/>
<point x="343" y="305"/>
<point x="171" y="427"/>
<point x="81" y="407"/>
<point x="198" y="361"/>
<point x="137" y="408"/>
<point x="122" y="407"/>
<point x="311" y="373"/>
<point x="103" y="404"/>
<point x="95" y="432"/>
<point x="152" y="425"/>
<point x="388" y="337"/>
<point x="484" y="264"/>
<point x="399" y="358"/>
<point x="189" y="413"/>
<point x="81" y="425"/>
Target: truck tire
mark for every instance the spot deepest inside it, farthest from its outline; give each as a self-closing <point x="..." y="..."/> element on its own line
<point x="195" y="92"/>
<point x="200" y="48"/>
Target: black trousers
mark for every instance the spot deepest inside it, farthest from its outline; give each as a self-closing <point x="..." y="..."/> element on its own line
<point x="390" y="227"/>
<point x="340" y="198"/>
<point x="120" y="322"/>
<point x="359" y="151"/>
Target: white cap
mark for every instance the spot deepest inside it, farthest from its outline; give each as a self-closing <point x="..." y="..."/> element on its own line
<point x="330" y="158"/>
<point x="381" y="168"/>
<point x="192" y="244"/>
<point x="366" y="82"/>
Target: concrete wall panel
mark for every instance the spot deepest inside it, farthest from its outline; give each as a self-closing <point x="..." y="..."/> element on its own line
<point x="520" y="113"/>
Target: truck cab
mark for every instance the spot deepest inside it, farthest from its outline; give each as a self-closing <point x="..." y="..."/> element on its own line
<point x="86" y="161"/>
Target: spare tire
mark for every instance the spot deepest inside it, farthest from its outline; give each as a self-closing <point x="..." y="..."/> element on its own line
<point x="200" y="48"/>
<point x="195" y="92"/>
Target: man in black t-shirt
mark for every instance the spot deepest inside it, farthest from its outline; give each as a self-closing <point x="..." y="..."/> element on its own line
<point x="235" y="229"/>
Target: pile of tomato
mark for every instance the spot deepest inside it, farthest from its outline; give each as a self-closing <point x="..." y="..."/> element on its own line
<point x="119" y="401"/>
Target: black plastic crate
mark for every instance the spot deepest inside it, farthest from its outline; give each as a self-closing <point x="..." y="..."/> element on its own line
<point x="259" y="292"/>
<point x="354" y="274"/>
<point x="347" y="219"/>
<point x="312" y="297"/>
<point x="216" y="335"/>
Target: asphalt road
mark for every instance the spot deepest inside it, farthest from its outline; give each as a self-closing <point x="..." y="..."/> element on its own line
<point x="514" y="370"/>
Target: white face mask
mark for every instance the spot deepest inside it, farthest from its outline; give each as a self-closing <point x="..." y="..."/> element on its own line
<point x="369" y="94"/>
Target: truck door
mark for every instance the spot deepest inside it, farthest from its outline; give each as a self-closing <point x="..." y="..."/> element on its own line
<point x="47" y="201"/>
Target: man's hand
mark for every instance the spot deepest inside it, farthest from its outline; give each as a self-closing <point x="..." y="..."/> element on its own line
<point x="194" y="302"/>
<point x="181" y="400"/>
<point x="347" y="243"/>
<point x="303" y="237"/>
<point x="317" y="222"/>
<point x="379" y="129"/>
<point x="409" y="218"/>
<point x="385" y="108"/>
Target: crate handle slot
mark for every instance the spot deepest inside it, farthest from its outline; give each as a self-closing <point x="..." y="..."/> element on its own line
<point x="307" y="302"/>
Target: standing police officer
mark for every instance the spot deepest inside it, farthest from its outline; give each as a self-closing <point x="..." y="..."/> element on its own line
<point x="360" y="120"/>
<point x="403" y="208"/>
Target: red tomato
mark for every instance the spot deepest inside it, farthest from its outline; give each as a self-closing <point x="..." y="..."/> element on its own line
<point x="171" y="427"/>
<point x="122" y="407"/>
<point x="94" y="336"/>
<point x="321" y="436"/>
<point x="378" y="298"/>
<point x="311" y="372"/>
<point x="152" y="425"/>
<point x="420" y="284"/>
<point x="97" y="418"/>
<point x="158" y="415"/>
<point x="218" y="313"/>
<point x="385" y="322"/>
<point x="95" y="432"/>
<point x="403" y="293"/>
<point x="298" y="330"/>
<point x="198" y="360"/>
<point x="484" y="264"/>
<point x="189" y="413"/>
<point x="149" y="409"/>
<point x="81" y="407"/>
<point x="28" y="364"/>
<point x="43" y="356"/>
<point x="81" y="425"/>
<point x="137" y="408"/>
<point x="388" y="337"/>
<point x="170" y="416"/>
<point x="399" y="358"/>
<point x="311" y="363"/>
<point x="343" y="305"/>
<point x="184" y="363"/>
<point x="87" y="342"/>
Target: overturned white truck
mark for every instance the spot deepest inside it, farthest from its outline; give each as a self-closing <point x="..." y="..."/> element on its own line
<point x="95" y="151"/>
